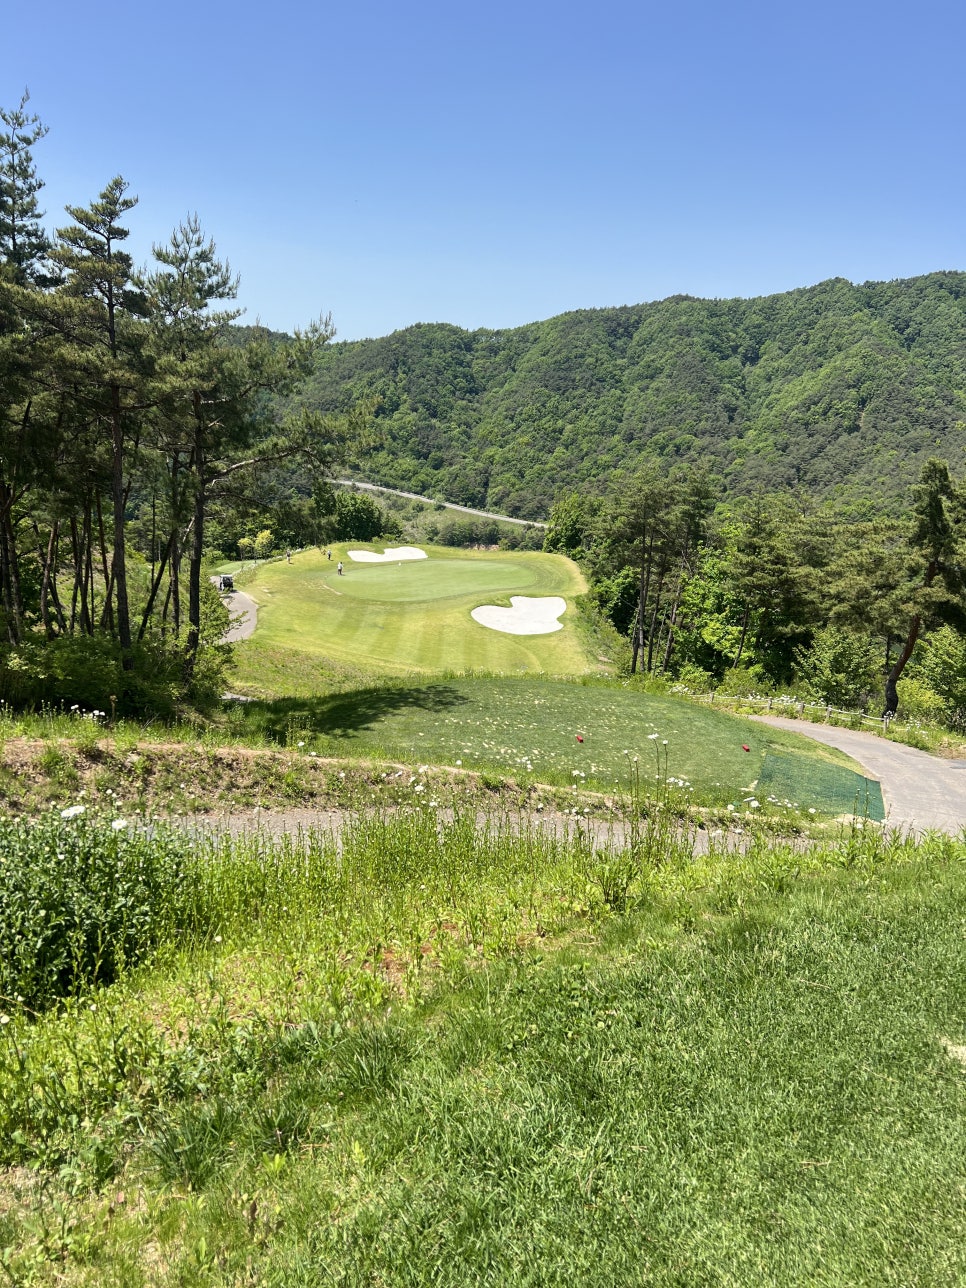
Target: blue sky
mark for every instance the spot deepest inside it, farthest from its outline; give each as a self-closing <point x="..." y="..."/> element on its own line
<point x="490" y="165"/>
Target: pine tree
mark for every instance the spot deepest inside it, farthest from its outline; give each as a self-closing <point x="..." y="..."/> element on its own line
<point x="938" y="593"/>
<point x="23" y="242"/>
<point x="23" y="271"/>
<point x="94" y="310"/>
<point x="211" y="415"/>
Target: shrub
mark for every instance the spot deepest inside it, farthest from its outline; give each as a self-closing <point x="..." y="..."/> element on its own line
<point x="739" y="681"/>
<point x="695" y="678"/>
<point x="82" y="899"/>
<point x="941" y="665"/>
<point x="918" y="702"/>
<point x="263" y="544"/>
<point x="839" y="667"/>
<point x="359" y="518"/>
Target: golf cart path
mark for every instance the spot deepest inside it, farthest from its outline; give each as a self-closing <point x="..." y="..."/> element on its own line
<point x="238" y="602"/>
<point x="921" y="793"/>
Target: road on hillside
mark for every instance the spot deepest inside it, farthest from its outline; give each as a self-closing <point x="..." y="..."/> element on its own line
<point x="463" y="509"/>
<point x="921" y="793"/>
<point x="238" y="602"/>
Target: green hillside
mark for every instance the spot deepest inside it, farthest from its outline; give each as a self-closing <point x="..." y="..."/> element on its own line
<point x="836" y="386"/>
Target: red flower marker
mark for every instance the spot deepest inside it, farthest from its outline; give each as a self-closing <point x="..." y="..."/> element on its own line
<point x="580" y="737"/>
<point x="745" y="747"/>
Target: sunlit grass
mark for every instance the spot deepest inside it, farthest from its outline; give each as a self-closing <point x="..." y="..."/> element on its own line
<point x="408" y="616"/>
<point x="435" y="1054"/>
<point x="583" y="735"/>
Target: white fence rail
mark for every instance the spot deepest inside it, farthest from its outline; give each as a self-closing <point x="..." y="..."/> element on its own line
<point x="797" y="709"/>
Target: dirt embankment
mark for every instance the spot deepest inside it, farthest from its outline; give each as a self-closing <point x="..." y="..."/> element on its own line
<point x="239" y="783"/>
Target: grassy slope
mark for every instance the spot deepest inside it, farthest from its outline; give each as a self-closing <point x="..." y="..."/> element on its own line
<point x="474" y="735"/>
<point x="415" y="616"/>
<point x="743" y="1081"/>
<point x="528" y="729"/>
<point x="410" y="616"/>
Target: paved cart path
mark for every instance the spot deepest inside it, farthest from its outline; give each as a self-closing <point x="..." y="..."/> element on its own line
<point x="921" y="792"/>
<point x="239" y="602"/>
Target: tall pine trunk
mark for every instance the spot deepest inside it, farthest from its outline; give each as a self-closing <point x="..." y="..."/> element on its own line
<point x="118" y="498"/>
<point x="197" y="548"/>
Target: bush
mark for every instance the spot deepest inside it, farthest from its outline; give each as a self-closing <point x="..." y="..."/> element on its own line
<point x="839" y="667"/>
<point x="739" y="681"/>
<point x="918" y="702"/>
<point x="87" y="670"/>
<point x="695" y="678"/>
<point x="81" y="900"/>
<point x="359" y="518"/>
<point x="940" y="663"/>
<point x="263" y="544"/>
<point x="617" y="598"/>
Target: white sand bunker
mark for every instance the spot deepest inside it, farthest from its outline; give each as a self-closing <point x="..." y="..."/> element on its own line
<point x="393" y="554"/>
<point x="526" y="617"/>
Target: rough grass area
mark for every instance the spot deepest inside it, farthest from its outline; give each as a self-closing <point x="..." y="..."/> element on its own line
<point x="437" y="1056"/>
<point x="408" y="616"/>
<point x="575" y="734"/>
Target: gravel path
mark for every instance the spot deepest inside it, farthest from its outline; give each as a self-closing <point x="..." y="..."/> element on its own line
<point x="921" y="793"/>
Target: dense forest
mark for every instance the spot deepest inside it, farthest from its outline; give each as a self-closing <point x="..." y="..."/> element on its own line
<point x="775" y="590"/>
<point x="837" y="390"/>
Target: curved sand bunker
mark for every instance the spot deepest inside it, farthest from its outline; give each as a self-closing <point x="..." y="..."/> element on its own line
<point x="393" y="554"/>
<point x="526" y="617"/>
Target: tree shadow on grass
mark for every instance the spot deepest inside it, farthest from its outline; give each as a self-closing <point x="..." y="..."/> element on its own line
<point x="346" y="715"/>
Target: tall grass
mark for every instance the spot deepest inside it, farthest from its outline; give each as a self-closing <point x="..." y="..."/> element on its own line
<point x="465" y="1034"/>
<point x="83" y="899"/>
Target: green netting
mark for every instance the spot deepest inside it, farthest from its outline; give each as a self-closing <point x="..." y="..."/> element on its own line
<point x="819" y="785"/>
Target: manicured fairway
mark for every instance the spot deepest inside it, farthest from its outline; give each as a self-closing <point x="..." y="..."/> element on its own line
<point x="586" y="733"/>
<point x="415" y="616"/>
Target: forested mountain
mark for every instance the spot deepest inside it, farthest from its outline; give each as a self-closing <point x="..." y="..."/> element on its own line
<point x="836" y="389"/>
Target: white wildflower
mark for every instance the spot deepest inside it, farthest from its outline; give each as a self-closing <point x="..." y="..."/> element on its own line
<point x="73" y="811"/>
<point x="119" y="824"/>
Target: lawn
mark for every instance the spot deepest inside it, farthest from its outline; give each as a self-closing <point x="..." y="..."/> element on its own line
<point x="407" y="617"/>
<point x="587" y="734"/>
<point x="431" y="1055"/>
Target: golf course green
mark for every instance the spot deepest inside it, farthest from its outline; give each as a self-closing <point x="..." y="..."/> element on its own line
<point x="414" y="615"/>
